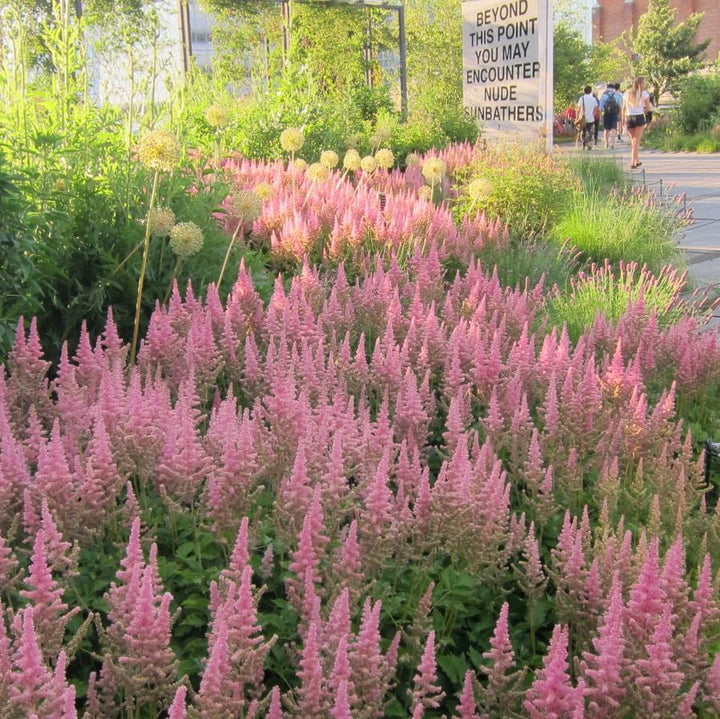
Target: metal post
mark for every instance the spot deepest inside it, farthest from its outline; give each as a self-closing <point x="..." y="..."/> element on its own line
<point x="285" y="12"/>
<point x="368" y="50"/>
<point x="185" y="34"/>
<point x="403" y="63"/>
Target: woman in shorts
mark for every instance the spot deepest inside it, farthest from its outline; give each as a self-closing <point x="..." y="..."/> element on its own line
<point x="636" y="102"/>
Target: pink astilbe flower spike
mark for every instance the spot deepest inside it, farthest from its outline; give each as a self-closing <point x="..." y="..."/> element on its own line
<point x="177" y="709"/>
<point x="240" y="556"/>
<point x="647" y="599"/>
<point x="552" y="694"/>
<point x="603" y="669"/>
<point x="501" y="655"/>
<point x="467" y="708"/>
<point x="659" y="681"/>
<point x="275" y="709"/>
<point x="426" y="691"/>
<point x="367" y="662"/>
<point x="219" y="694"/>
<point x="341" y="705"/>
<point x="31" y="679"/>
<point x="311" y="695"/>
<point x="50" y="613"/>
<point x="147" y="662"/>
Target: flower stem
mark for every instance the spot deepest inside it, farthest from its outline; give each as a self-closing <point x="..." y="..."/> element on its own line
<point x="227" y="254"/>
<point x="172" y="279"/>
<point x="143" y="268"/>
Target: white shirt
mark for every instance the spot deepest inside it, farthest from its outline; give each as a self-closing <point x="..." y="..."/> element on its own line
<point x="587" y="104"/>
<point x="636" y="109"/>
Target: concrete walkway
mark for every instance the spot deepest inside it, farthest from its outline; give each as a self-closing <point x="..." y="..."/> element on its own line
<point x="698" y="178"/>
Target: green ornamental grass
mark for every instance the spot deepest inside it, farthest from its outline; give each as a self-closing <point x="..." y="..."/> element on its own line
<point x="616" y="228"/>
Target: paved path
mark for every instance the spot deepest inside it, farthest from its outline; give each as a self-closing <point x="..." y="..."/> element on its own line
<point x="697" y="177"/>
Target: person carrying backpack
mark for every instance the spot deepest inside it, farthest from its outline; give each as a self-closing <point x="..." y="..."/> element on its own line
<point x="610" y="109"/>
<point x="586" y="106"/>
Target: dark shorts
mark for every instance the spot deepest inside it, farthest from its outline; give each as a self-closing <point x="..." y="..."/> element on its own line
<point x="610" y="121"/>
<point x="635" y="121"/>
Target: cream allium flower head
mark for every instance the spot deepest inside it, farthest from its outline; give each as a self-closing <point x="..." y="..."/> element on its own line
<point x="479" y="189"/>
<point x="160" y="221"/>
<point x="317" y="172"/>
<point x="381" y="134"/>
<point x="264" y="190"/>
<point x="385" y="158"/>
<point x="412" y="160"/>
<point x="159" y="151"/>
<point x="217" y="116"/>
<point x="368" y="164"/>
<point x="353" y="141"/>
<point x="351" y="161"/>
<point x="186" y="239"/>
<point x="246" y="205"/>
<point x="433" y="170"/>
<point x="60" y="185"/>
<point x="425" y="193"/>
<point x="292" y="139"/>
<point x="329" y="159"/>
<point x="300" y="165"/>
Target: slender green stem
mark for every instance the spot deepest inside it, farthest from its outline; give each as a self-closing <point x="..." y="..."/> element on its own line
<point x="122" y="264"/>
<point x="178" y="262"/>
<point x="227" y="253"/>
<point x="143" y="267"/>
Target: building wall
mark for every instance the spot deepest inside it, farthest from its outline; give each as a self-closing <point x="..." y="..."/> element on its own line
<point x="613" y="17"/>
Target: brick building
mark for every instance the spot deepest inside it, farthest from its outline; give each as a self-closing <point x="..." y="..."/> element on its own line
<point x="612" y="17"/>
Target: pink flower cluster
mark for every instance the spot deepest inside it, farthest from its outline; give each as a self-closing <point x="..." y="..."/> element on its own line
<point x="346" y="215"/>
<point x="395" y="421"/>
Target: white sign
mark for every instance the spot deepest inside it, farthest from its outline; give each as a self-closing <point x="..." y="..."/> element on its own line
<point x="507" y="68"/>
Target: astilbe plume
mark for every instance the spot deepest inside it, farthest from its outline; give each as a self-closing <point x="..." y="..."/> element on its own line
<point x="31" y="679"/>
<point x="425" y="691"/>
<point x="467" y="708"/>
<point x="500" y="694"/>
<point x="603" y="669"/>
<point x="147" y="666"/>
<point x="658" y="680"/>
<point x="552" y="694"/>
<point x="50" y="613"/>
<point x="311" y="697"/>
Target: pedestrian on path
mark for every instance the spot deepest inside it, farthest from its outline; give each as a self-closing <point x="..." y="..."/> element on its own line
<point x="636" y="104"/>
<point x="587" y="105"/>
<point x="610" y="109"/>
<point x="619" y="97"/>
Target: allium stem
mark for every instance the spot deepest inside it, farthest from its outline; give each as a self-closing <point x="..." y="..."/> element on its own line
<point x="131" y="253"/>
<point x="143" y="268"/>
<point x="227" y="253"/>
<point x="178" y="262"/>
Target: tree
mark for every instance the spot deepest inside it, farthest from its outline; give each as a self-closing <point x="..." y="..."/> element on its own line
<point x="666" y="50"/>
<point x="571" y="69"/>
<point x="609" y="62"/>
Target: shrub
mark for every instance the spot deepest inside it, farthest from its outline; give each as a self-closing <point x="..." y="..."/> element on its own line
<point x="699" y="102"/>
<point x="527" y="190"/>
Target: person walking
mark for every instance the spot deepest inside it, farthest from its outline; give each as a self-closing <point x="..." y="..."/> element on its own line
<point x="587" y="105"/>
<point x="610" y="108"/>
<point x="619" y="97"/>
<point x="636" y="104"/>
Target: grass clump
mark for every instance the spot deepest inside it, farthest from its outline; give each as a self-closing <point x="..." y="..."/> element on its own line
<point x="598" y="174"/>
<point x="609" y="291"/>
<point x="616" y="228"/>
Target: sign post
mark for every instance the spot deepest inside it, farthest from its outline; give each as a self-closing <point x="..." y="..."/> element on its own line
<point x="508" y="68"/>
